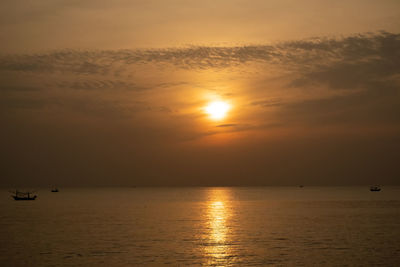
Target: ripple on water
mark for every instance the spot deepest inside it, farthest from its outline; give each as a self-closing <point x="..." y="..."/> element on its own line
<point x="206" y="227"/>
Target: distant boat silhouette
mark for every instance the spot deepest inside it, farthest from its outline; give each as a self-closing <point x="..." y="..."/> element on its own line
<point x="23" y="195"/>
<point x="375" y="188"/>
<point x="301" y="186"/>
<point x="54" y="190"/>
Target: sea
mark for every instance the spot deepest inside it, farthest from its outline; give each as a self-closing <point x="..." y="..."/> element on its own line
<point x="202" y="226"/>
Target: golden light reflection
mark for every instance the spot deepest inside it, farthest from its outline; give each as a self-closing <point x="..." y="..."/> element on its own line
<point x="218" y="245"/>
<point x="217" y="222"/>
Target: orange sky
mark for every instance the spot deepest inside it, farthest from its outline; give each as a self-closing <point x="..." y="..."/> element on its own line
<point x="99" y="24"/>
<point x="94" y="93"/>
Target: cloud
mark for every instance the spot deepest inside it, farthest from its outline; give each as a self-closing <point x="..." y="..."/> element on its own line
<point x="275" y="102"/>
<point x="227" y="125"/>
<point x="18" y="88"/>
<point x="363" y="68"/>
<point x="354" y="62"/>
<point x="377" y="105"/>
<point x="377" y="48"/>
<point x="101" y="84"/>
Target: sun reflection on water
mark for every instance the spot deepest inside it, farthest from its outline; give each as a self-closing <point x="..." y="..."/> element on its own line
<point x="217" y="222"/>
<point x="217" y="247"/>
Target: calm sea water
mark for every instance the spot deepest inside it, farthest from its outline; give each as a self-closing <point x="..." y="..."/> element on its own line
<point x="284" y="226"/>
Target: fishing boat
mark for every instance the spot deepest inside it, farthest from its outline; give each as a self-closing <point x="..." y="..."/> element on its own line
<point x="54" y="190"/>
<point x="18" y="195"/>
<point x="374" y="188"/>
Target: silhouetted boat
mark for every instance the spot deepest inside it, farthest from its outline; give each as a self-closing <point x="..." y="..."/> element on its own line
<point x="375" y="188"/>
<point x="54" y="190"/>
<point x="23" y="195"/>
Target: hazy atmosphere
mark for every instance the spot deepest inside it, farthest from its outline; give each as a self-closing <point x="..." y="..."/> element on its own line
<point x="121" y="92"/>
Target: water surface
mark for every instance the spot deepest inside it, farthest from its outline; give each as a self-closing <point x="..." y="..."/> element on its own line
<point x="332" y="226"/>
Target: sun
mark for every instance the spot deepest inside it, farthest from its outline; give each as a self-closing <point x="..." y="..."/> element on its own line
<point x="217" y="110"/>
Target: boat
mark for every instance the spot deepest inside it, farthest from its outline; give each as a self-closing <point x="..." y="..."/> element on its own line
<point x="54" y="190"/>
<point x="375" y="188"/>
<point x="18" y="195"/>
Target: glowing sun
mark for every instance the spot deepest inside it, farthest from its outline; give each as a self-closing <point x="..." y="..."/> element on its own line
<point x="217" y="110"/>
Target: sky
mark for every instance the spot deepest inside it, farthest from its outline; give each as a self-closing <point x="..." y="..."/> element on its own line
<point x="114" y="93"/>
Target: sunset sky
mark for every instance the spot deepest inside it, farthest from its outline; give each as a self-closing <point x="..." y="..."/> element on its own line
<point x="119" y="92"/>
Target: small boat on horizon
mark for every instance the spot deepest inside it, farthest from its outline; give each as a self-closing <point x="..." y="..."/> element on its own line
<point x="18" y="195"/>
<point x="54" y="190"/>
<point x="375" y="188"/>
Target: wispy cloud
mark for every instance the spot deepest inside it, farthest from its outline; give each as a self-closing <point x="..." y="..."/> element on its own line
<point x="363" y="68"/>
<point x="227" y="125"/>
<point x="375" y="48"/>
<point x="101" y="84"/>
<point x="274" y="102"/>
